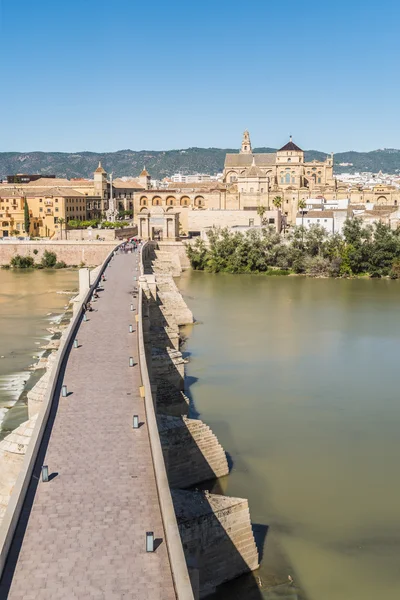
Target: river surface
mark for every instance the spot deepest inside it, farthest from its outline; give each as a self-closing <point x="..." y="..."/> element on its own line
<point x="299" y="379"/>
<point x="29" y="305"/>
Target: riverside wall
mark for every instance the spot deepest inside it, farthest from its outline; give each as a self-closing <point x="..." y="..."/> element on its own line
<point x="19" y="449"/>
<point x="91" y="235"/>
<point x="71" y="252"/>
<point x="215" y="530"/>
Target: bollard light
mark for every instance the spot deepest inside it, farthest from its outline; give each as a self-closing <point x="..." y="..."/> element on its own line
<point x="84" y="317"/>
<point x="130" y="328"/>
<point x="75" y="342"/>
<point x="149" y="541"/>
<point x="45" y="473"/>
<point x="132" y="307"/>
<point x="64" y="391"/>
<point x="131" y="361"/>
<point x="135" y="421"/>
<point x="135" y="278"/>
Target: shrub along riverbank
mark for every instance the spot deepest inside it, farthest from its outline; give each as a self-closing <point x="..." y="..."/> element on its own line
<point x="361" y="250"/>
<point x="48" y="261"/>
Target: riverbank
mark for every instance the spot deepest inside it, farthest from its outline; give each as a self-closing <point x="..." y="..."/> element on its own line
<point x="311" y="251"/>
<point x="34" y="310"/>
<point x="84" y="253"/>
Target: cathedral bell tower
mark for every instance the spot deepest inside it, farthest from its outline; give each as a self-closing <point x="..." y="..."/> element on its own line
<point x="246" y="144"/>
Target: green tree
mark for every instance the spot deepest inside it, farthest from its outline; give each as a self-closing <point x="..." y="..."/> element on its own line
<point x="27" y="220"/>
<point x="49" y="259"/>
<point x="261" y="210"/>
<point x="277" y="202"/>
<point x="302" y="207"/>
<point x="61" y="221"/>
<point x="22" y="262"/>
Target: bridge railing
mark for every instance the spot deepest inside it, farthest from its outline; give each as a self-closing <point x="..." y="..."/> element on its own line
<point x="180" y="575"/>
<point x="14" y="507"/>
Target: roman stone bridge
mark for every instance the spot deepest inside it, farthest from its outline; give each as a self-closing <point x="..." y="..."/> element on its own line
<point x="111" y="459"/>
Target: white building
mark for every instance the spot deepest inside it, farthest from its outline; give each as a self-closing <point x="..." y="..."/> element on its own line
<point x="331" y="220"/>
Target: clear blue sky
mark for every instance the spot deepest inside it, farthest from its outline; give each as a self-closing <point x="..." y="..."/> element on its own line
<point x="107" y="75"/>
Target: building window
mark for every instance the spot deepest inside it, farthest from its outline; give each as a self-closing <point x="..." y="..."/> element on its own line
<point x="271" y="221"/>
<point x="251" y="190"/>
<point x="325" y="220"/>
<point x="287" y="178"/>
<point x="289" y="160"/>
<point x="40" y="209"/>
<point x="56" y="199"/>
<point x="56" y="209"/>
<point x="39" y="200"/>
<point x="319" y="179"/>
<point x="251" y="222"/>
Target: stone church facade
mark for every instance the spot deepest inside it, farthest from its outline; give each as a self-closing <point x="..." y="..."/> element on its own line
<point x="279" y="181"/>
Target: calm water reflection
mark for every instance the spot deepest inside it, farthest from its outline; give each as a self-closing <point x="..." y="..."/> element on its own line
<point x="299" y="379"/>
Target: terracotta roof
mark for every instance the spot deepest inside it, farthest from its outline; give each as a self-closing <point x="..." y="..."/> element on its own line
<point x="63" y="192"/>
<point x="130" y="184"/>
<point x="144" y="173"/>
<point x="50" y="182"/>
<point x="198" y="185"/>
<point x="245" y="160"/>
<point x="99" y="168"/>
<point x="317" y="214"/>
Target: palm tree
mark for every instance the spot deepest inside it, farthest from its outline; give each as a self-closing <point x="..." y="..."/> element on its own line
<point x="302" y="206"/>
<point x="61" y="221"/>
<point x="261" y="212"/>
<point x="277" y="202"/>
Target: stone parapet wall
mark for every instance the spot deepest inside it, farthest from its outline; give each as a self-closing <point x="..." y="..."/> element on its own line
<point x="177" y="250"/>
<point x="20" y="449"/>
<point x="90" y="235"/>
<point x="72" y="253"/>
<point x="215" y="530"/>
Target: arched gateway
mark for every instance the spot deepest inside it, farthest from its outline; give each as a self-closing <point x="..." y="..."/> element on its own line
<point x="157" y="224"/>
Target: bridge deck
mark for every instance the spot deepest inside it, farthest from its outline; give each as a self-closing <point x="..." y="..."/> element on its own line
<point x="82" y="534"/>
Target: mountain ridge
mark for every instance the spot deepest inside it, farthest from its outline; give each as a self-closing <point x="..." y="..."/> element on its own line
<point x="163" y="163"/>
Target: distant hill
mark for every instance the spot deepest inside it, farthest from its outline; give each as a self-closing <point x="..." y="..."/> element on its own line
<point x="165" y="163"/>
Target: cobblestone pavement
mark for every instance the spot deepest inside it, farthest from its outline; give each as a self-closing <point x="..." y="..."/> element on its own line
<point x="85" y="531"/>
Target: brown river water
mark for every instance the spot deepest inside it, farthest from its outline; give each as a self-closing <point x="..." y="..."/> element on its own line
<point x="29" y="304"/>
<point x="299" y="379"/>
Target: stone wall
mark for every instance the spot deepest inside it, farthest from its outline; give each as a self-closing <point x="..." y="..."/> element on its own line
<point x="72" y="253"/>
<point x="192" y="452"/>
<point x="90" y="235"/>
<point x="217" y="536"/>
<point x="177" y="251"/>
<point x="215" y="530"/>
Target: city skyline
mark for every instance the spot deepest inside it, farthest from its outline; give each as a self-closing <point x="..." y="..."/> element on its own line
<point x="101" y="77"/>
